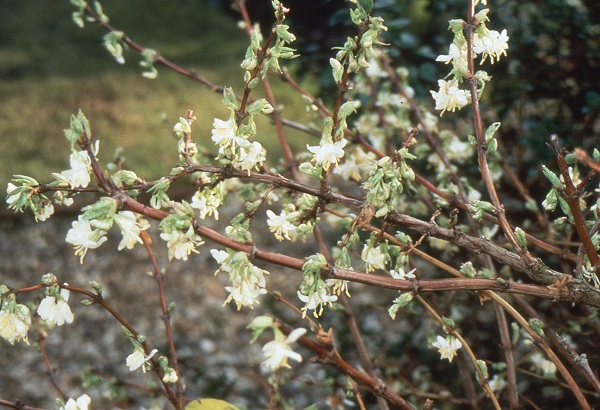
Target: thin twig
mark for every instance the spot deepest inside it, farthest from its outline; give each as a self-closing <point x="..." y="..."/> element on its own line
<point x="572" y="198"/>
<point x="166" y="317"/>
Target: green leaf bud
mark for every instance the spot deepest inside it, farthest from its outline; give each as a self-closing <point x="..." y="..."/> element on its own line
<point x="338" y="69"/>
<point x="229" y="99"/>
<point x="492" y="146"/>
<point x="282" y="31"/>
<point x="537" y="326"/>
<point x="126" y="177"/>
<point x="467" y="269"/>
<point x="260" y="106"/>
<point x="448" y="322"/>
<point x="491" y="130"/>
<point x="484" y="370"/>
<point x="521" y="238"/>
<point x="564" y="206"/>
<point x="554" y="180"/>
<point x="112" y="42"/>
<point x="253" y="83"/>
<point x="97" y="287"/>
<point x="49" y="279"/>
<point x="551" y="200"/>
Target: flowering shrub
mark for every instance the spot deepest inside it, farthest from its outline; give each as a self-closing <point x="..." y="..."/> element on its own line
<point x="389" y="197"/>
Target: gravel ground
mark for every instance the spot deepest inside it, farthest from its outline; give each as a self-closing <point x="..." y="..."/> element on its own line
<point x="212" y="340"/>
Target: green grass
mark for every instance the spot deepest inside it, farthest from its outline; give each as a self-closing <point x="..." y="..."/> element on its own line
<point x="49" y="68"/>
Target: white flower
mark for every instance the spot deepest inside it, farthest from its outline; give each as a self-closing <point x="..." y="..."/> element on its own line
<point x="244" y="293"/>
<point x="328" y="153"/>
<point x="251" y="157"/>
<point x="130" y="228"/>
<point x="82" y="403"/>
<point x="492" y="44"/>
<point x="456" y="56"/>
<point x="219" y="256"/>
<point x="15" y="321"/>
<point x="223" y="133"/>
<point x="79" y="174"/>
<point x="137" y="359"/>
<point x="207" y="202"/>
<point x="10" y="197"/>
<point x="45" y="211"/>
<point x="543" y="365"/>
<point x="248" y="283"/>
<point x="497" y="383"/>
<point x="56" y="309"/>
<point x="374" y="70"/>
<point x="280" y="225"/>
<point x="458" y="150"/>
<point x="181" y="244"/>
<point x="450" y="97"/>
<point x="447" y="347"/>
<point x="170" y="376"/>
<point x="400" y="274"/>
<point x="278" y="352"/>
<point x="373" y="257"/>
<point x="315" y="300"/>
<point x="83" y="237"/>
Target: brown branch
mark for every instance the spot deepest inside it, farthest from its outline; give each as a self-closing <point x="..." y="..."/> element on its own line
<point x="99" y="299"/>
<point x="506" y="343"/>
<point x="157" y="57"/>
<point x="577" y="292"/>
<point x="482" y="145"/>
<point x="18" y="405"/>
<point x="572" y="197"/>
<point x="330" y="357"/>
<point x="583" y="157"/>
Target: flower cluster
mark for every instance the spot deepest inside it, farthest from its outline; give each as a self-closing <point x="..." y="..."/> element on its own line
<point x="374" y="257"/>
<point x="178" y="231"/>
<point x="27" y="195"/>
<point x="486" y="43"/>
<point x="247" y="281"/>
<point x="54" y="308"/>
<point x="235" y="147"/>
<point x="15" y="319"/>
<point x="89" y="231"/>
<point x="208" y="200"/>
<point x="314" y="291"/>
<point x="328" y="152"/>
<point x="281" y="225"/>
<point x="385" y="181"/>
